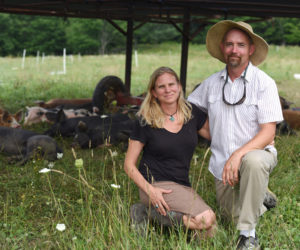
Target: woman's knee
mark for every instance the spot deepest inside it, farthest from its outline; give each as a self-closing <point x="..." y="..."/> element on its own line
<point x="206" y="219"/>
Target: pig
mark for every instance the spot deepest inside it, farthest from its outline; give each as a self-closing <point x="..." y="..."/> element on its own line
<point x="72" y="113"/>
<point x="35" y="115"/>
<point x="107" y="134"/>
<point x="292" y="118"/>
<point x="283" y="128"/>
<point x="39" y="114"/>
<point x="285" y="104"/>
<point x="22" y="145"/>
<point x="10" y="120"/>
<point x="105" y="92"/>
<point x="66" y="127"/>
<point x="85" y="103"/>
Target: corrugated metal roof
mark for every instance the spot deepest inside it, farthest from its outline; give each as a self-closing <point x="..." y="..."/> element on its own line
<point x="153" y="11"/>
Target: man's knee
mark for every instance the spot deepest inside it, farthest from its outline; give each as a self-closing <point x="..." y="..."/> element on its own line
<point x="254" y="161"/>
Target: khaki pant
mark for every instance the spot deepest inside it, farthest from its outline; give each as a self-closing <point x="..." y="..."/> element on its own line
<point x="182" y="199"/>
<point x="244" y="203"/>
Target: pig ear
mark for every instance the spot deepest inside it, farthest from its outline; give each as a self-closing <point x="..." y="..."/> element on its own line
<point x="5" y="116"/>
<point x="19" y="115"/>
<point x="82" y="126"/>
<point x="61" y="116"/>
<point x="51" y="116"/>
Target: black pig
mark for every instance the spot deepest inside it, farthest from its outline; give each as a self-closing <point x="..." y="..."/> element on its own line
<point x="107" y="134"/>
<point x="67" y="127"/>
<point x="23" y="144"/>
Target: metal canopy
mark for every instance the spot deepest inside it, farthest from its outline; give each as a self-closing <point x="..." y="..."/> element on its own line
<point x="152" y="11"/>
<point x="158" y="11"/>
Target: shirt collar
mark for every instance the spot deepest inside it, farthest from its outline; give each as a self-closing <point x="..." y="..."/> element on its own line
<point x="248" y="73"/>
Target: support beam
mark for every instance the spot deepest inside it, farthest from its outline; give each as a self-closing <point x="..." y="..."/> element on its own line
<point x="184" y="49"/>
<point x="128" y="64"/>
<point x="116" y="26"/>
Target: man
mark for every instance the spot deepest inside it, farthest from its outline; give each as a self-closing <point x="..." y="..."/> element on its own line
<point x="243" y="107"/>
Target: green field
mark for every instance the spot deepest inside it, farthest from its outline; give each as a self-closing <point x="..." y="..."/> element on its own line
<point x="21" y="86"/>
<point x="95" y="214"/>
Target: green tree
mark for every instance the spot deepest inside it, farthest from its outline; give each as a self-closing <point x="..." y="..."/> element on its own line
<point x="6" y="47"/>
<point x="292" y="31"/>
<point x="153" y="33"/>
<point x="46" y="35"/>
<point x="93" y="36"/>
<point x="33" y="33"/>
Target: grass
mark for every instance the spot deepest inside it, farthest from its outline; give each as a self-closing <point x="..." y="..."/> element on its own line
<point x="96" y="215"/>
<point x="20" y="87"/>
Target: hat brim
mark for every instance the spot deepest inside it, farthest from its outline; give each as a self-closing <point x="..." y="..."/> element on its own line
<point x="215" y="36"/>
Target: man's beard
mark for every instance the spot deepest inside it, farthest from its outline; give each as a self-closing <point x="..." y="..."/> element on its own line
<point x="234" y="62"/>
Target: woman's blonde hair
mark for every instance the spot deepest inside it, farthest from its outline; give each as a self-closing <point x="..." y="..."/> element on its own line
<point x="150" y="110"/>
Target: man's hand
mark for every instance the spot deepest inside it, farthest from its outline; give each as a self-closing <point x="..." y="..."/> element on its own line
<point x="264" y="137"/>
<point x="231" y="169"/>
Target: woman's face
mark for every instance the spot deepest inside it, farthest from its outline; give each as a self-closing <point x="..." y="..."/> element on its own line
<point x="166" y="89"/>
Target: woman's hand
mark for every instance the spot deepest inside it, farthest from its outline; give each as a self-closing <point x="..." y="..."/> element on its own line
<point x="157" y="199"/>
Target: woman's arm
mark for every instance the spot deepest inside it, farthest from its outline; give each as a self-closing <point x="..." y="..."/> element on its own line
<point x="204" y="131"/>
<point x="155" y="194"/>
<point x="133" y="152"/>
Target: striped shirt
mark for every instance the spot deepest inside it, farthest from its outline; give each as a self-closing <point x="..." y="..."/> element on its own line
<point x="233" y="126"/>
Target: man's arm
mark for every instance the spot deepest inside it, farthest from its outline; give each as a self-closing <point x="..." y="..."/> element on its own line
<point x="263" y="138"/>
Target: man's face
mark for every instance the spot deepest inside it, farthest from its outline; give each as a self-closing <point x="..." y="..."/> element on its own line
<point x="237" y="49"/>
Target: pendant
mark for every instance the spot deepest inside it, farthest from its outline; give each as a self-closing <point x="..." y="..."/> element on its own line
<point x="172" y="119"/>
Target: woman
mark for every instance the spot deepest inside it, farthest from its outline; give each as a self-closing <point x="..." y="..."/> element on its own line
<point x="166" y="132"/>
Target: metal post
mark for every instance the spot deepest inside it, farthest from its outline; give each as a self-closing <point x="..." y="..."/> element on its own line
<point x="129" y="36"/>
<point x="185" y="49"/>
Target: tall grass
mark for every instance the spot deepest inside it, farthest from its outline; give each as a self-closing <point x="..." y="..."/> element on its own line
<point x="96" y="214"/>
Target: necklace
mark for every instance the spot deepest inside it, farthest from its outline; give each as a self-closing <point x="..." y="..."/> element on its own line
<point x="171" y="118"/>
<point x="244" y="95"/>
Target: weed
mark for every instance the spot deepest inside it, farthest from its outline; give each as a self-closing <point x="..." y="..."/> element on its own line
<point x="93" y="198"/>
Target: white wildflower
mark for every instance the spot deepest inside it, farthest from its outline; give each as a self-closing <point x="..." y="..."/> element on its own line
<point x="59" y="155"/>
<point x="51" y="165"/>
<point x="74" y="238"/>
<point x="61" y="227"/>
<point x="104" y="116"/>
<point x="115" y="186"/>
<point x="44" y="170"/>
<point x="114" y="153"/>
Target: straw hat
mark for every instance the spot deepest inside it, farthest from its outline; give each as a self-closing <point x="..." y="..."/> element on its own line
<point x="216" y="33"/>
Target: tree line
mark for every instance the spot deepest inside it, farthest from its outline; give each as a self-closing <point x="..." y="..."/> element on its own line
<point x="94" y="36"/>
